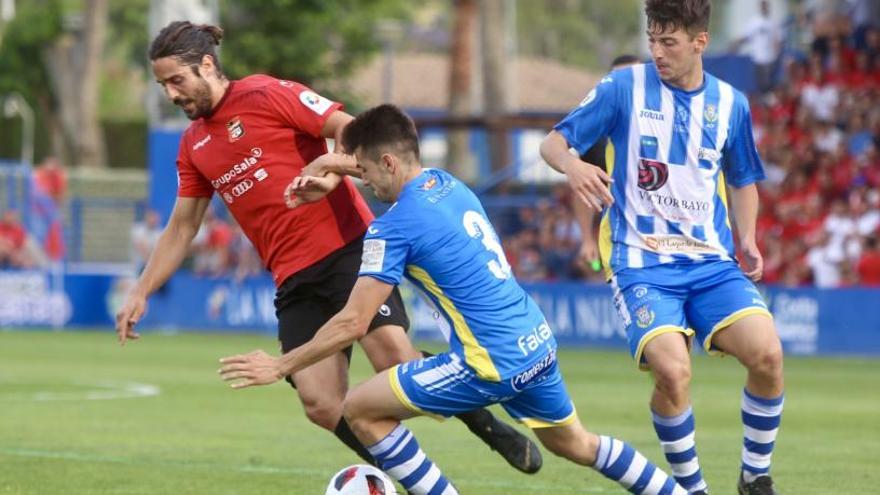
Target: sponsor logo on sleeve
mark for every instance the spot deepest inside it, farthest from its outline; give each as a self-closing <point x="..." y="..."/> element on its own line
<point x="261" y="175"/>
<point x="589" y="98"/>
<point x="315" y="102"/>
<point x="373" y="256"/>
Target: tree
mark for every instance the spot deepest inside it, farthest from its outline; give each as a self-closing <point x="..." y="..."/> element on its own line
<point x="585" y="33"/>
<point x="305" y="40"/>
<point x="36" y="25"/>
<point x="458" y="160"/>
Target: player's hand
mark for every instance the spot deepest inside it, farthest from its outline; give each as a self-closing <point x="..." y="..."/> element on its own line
<point x="588" y="254"/>
<point x="752" y="261"/>
<point x="590" y="184"/>
<point x="308" y="189"/>
<point x="132" y="310"/>
<point x="253" y="368"/>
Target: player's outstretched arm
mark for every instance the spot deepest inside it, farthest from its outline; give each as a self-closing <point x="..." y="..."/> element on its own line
<point x="166" y="257"/>
<point x="745" y="216"/>
<point x="347" y="326"/>
<point x="589" y="182"/>
<point x="308" y="189"/>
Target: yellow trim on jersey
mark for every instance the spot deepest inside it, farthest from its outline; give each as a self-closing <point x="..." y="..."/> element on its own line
<point x="730" y="320"/>
<point x="722" y="192"/>
<point x="394" y="381"/>
<point x="688" y="332"/>
<point x="475" y="355"/>
<point x="605" y="245"/>
<point x="534" y="423"/>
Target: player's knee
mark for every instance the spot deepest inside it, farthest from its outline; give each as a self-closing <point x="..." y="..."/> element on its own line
<point x="673" y="378"/>
<point x="767" y="362"/>
<point x="323" y="412"/>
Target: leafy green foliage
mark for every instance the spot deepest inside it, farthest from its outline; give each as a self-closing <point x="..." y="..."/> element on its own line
<point x="585" y="33"/>
<point x="304" y="40"/>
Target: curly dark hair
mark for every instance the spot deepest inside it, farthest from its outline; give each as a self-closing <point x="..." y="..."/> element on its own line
<point x="669" y="15"/>
<point x="187" y="42"/>
<point x="384" y="126"/>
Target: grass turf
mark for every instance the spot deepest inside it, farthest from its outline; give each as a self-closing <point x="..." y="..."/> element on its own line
<point x="61" y="432"/>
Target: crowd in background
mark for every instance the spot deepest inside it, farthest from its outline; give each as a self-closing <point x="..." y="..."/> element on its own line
<point x="817" y="127"/>
<point x="219" y="249"/>
<point x="816" y="119"/>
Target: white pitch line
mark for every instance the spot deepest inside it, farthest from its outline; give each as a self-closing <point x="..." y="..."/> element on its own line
<point x="95" y="390"/>
<point x="540" y="487"/>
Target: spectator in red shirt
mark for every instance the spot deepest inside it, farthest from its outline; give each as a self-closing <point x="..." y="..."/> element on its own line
<point x="13" y="240"/>
<point x="869" y="263"/>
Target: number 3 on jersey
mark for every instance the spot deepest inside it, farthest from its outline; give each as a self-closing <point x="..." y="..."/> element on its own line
<point x="478" y="227"/>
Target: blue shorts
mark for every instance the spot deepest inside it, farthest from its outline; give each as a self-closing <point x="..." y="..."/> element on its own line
<point x="442" y="386"/>
<point x="693" y="299"/>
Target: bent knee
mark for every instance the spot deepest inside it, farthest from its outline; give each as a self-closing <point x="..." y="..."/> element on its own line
<point x="767" y="362"/>
<point x="324" y="413"/>
<point x="672" y="377"/>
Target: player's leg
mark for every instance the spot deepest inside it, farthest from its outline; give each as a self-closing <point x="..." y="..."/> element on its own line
<point x="731" y="317"/>
<point x="671" y="412"/>
<point x="322" y="386"/>
<point x="754" y="342"/>
<point x="387" y="344"/>
<point x="544" y="405"/>
<point x="653" y="314"/>
<point x="374" y="409"/>
<point x="615" y="459"/>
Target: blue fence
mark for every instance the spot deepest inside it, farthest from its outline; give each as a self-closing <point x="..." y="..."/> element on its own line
<point x="809" y="321"/>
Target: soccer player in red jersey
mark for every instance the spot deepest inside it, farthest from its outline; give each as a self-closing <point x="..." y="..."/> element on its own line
<point x="248" y="140"/>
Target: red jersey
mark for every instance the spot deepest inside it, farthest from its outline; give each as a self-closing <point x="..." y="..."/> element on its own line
<point x="255" y="142"/>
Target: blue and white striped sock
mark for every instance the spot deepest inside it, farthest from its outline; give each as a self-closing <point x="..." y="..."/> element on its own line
<point x="676" y="434"/>
<point x="627" y="466"/>
<point x="760" y="419"/>
<point x="399" y="455"/>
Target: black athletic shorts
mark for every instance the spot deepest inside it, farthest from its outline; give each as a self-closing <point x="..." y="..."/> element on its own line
<point x="310" y="297"/>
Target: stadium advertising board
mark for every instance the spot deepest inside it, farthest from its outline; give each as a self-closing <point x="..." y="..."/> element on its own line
<point x="809" y="321"/>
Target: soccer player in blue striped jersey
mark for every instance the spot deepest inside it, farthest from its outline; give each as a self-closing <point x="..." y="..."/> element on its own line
<point x="680" y="137"/>
<point x="501" y="349"/>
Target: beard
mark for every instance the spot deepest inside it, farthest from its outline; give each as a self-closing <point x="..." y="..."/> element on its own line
<point x="199" y="104"/>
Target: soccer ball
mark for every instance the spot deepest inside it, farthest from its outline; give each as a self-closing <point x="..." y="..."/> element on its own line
<point x="360" y="479"/>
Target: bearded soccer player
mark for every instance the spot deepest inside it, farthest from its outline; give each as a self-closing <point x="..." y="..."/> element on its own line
<point x="679" y="136"/>
<point x="248" y="140"/>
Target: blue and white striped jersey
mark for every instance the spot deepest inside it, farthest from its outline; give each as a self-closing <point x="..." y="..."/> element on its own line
<point x="673" y="151"/>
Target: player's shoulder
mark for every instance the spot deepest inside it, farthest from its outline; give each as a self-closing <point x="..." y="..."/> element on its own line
<point x="739" y="99"/>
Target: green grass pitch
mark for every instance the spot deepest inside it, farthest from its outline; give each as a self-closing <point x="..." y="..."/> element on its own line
<point x="64" y="430"/>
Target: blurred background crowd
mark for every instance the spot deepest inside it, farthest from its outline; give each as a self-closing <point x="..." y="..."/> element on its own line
<point x="815" y="109"/>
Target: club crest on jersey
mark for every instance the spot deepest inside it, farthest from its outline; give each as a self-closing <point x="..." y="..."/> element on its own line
<point x="235" y="129"/>
<point x="652" y="174"/>
<point x="710" y="115"/>
<point x="429" y="184"/>
<point x="644" y="317"/>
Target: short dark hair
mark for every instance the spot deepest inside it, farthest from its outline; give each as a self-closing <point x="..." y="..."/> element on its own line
<point x="625" y="59"/>
<point x="384" y="126"/>
<point x="669" y="15"/>
<point x="187" y="42"/>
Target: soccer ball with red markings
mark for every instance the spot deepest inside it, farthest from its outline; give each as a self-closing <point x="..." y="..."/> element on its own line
<point x="360" y="479"/>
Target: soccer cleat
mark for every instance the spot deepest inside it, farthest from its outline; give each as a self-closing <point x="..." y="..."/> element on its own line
<point x="517" y="449"/>
<point x="763" y="485"/>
